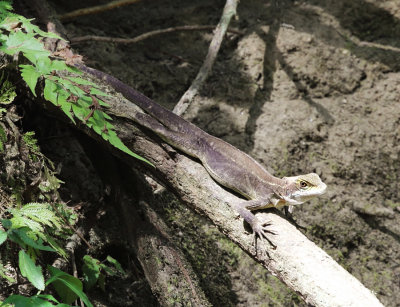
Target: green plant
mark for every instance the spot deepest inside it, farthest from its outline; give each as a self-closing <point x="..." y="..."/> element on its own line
<point x="33" y="229"/>
<point x="7" y="90"/>
<point x="29" y="229"/>
<point x="77" y="98"/>
<point x="95" y="271"/>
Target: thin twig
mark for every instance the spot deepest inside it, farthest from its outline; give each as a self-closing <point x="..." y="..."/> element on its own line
<point x="229" y="11"/>
<point x="144" y="36"/>
<point x="96" y="9"/>
<point x="75" y="273"/>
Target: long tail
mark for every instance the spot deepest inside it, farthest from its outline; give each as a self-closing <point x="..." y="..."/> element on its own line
<point x="166" y="117"/>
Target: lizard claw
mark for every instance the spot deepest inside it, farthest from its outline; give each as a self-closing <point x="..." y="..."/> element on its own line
<point x="261" y="230"/>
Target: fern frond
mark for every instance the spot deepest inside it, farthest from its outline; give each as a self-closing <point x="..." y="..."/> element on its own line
<point x="19" y="221"/>
<point x="35" y="216"/>
<point x="54" y="244"/>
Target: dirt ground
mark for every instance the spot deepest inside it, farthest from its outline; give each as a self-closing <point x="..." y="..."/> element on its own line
<point x="311" y="86"/>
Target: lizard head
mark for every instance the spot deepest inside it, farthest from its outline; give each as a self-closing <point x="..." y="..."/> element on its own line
<point x="299" y="189"/>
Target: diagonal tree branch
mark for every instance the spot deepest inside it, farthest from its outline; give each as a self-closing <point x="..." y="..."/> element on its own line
<point x="228" y="12"/>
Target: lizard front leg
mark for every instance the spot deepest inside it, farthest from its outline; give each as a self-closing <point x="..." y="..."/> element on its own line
<point x="260" y="229"/>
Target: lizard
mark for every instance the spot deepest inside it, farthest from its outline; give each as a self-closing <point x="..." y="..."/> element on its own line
<point x="227" y="165"/>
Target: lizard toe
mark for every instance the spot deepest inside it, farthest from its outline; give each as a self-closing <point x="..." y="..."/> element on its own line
<point x="260" y="231"/>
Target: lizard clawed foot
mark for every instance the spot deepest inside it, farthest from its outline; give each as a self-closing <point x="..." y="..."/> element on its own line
<point x="261" y="230"/>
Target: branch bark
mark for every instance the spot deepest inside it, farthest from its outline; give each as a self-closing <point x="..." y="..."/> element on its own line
<point x="167" y="271"/>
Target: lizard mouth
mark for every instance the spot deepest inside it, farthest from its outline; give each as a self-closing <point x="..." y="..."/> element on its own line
<point x="292" y="201"/>
<point x="300" y="196"/>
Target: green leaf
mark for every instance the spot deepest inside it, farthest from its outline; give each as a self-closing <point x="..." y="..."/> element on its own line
<point x="43" y="65"/>
<point x="49" y="239"/>
<point x="48" y="297"/>
<point x="97" y="119"/>
<point x="116" y="264"/>
<point x="50" y="91"/>
<point x="80" y="111"/>
<point x="67" y="286"/>
<point x="116" y="141"/>
<point x="18" y="301"/>
<point x="58" y="96"/>
<point x="21" y="232"/>
<point x="3" y="236"/>
<point x="108" y="270"/>
<point x="96" y="128"/>
<point x="65" y="105"/>
<point x="103" y="104"/>
<point x="5" y="6"/>
<point x="15" y="238"/>
<point x="38" y="302"/>
<point x="29" y="270"/>
<point x="31" y="28"/>
<point x="6" y="223"/>
<point x="73" y="89"/>
<point x="30" y="75"/>
<point x="31" y="47"/>
<point x="91" y="271"/>
<point x="96" y="91"/>
<point x="35" y="216"/>
<point x="33" y="301"/>
<point x="60" y="65"/>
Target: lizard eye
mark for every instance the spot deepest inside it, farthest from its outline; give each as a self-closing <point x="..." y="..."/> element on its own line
<point x="303" y="184"/>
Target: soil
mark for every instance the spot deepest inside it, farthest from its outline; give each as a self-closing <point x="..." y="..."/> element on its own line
<point x="311" y="86"/>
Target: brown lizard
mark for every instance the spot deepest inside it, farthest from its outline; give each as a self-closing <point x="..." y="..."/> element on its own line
<point x="228" y="165"/>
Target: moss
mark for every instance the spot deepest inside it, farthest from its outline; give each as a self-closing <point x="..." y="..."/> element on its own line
<point x="7" y="90"/>
<point x="277" y="292"/>
<point x="3" y="138"/>
<point x="31" y="142"/>
<point x="391" y="204"/>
